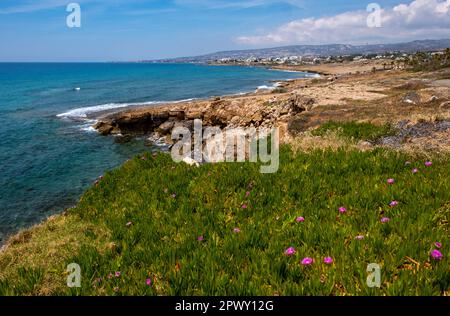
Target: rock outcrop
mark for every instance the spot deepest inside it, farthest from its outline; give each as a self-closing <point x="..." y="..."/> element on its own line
<point x="256" y="111"/>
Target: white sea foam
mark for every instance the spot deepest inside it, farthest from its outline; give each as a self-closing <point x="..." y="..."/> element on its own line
<point x="264" y="87"/>
<point x="82" y="113"/>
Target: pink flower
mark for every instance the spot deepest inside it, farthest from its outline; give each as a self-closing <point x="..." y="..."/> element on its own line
<point x="385" y="219"/>
<point x="300" y="219"/>
<point x="200" y="238"/>
<point x="415" y="170"/>
<point x="117" y="274"/>
<point x="436" y="254"/>
<point x="247" y="193"/>
<point x="438" y="244"/>
<point x="129" y="224"/>
<point x="393" y="203"/>
<point x="359" y="237"/>
<point x="390" y="181"/>
<point x="173" y="195"/>
<point x="342" y="210"/>
<point x="148" y="282"/>
<point x="307" y="261"/>
<point x="428" y="163"/>
<point x="236" y="230"/>
<point x="328" y="260"/>
<point x="244" y="206"/>
<point x="290" y="251"/>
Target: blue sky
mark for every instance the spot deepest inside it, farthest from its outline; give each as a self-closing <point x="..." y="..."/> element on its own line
<point x="33" y="30"/>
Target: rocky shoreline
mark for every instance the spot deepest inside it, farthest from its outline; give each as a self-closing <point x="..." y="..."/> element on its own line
<point x="261" y="109"/>
<point x="296" y="106"/>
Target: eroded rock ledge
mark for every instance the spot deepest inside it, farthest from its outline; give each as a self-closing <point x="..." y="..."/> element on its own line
<point x="265" y="110"/>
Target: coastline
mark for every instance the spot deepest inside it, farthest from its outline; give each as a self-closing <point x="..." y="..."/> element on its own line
<point x="191" y="107"/>
<point x="92" y="114"/>
<point x="303" y="105"/>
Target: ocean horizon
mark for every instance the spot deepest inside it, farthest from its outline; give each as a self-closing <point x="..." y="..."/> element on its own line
<point x="49" y="151"/>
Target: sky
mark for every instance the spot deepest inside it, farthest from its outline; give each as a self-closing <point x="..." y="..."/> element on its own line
<point x="129" y="30"/>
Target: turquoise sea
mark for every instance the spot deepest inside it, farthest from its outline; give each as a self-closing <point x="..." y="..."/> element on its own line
<point x="49" y="153"/>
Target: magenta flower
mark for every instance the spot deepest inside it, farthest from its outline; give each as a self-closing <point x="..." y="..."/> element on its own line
<point x="415" y="170"/>
<point x="290" y="251"/>
<point x="436" y="254"/>
<point x="390" y="181"/>
<point x="244" y="206"/>
<point x="393" y="203"/>
<point x="359" y="237"/>
<point x="117" y="274"/>
<point x="236" y="230"/>
<point x="342" y="210"/>
<point x="300" y="219"/>
<point x="438" y="244"/>
<point x="428" y="163"/>
<point x="328" y="260"/>
<point x="247" y="193"/>
<point x="200" y="238"/>
<point x="385" y="219"/>
<point x="307" y="261"/>
<point x="148" y="282"/>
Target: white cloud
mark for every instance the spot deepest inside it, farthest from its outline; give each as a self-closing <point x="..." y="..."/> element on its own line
<point x="417" y="20"/>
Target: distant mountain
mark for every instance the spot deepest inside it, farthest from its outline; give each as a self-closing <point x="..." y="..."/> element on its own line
<point x="319" y="50"/>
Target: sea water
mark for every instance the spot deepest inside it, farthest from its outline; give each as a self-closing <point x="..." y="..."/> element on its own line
<point x="50" y="154"/>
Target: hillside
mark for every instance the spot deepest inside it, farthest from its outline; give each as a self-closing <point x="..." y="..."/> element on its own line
<point x="319" y="50"/>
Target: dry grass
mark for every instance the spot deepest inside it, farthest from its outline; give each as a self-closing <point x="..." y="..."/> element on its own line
<point x="306" y="142"/>
<point x="46" y="247"/>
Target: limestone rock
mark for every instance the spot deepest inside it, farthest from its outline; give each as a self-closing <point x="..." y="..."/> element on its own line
<point x="445" y="105"/>
<point x="166" y="127"/>
<point x="412" y="98"/>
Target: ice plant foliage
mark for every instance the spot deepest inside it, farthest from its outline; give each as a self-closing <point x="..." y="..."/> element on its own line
<point x="345" y="239"/>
